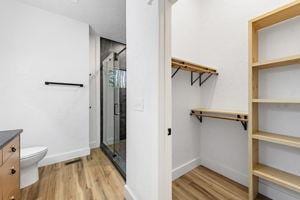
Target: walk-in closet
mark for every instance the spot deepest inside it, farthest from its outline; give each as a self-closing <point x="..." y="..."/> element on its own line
<point x="235" y="100"/>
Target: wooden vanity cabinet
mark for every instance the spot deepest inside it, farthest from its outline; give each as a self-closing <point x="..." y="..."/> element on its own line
<point x="10" y="170"/>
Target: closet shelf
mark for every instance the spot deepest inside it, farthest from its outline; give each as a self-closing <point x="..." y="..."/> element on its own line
<point x="189" y="66"/>
<point x="277" y="62"/>
<point x="279" y="177"/>
<point x="228" y="112"/>
<point x="278" y="101"/>
<point x="221" y="114"/>
<point x="193" y="68"/>
<point x="278" y="139"/>
<point x="278" y="15"/>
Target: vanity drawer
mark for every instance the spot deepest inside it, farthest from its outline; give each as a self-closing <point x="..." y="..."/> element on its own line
<point x="13" y="195"/>
<point x="10" y="175"/>
<point x="11" y="148"/>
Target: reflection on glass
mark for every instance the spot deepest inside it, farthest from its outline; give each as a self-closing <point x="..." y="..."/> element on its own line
<point x="117" y="78"/>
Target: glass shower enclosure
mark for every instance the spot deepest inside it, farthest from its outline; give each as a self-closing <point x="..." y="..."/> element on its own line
<point x="113" y="137"/>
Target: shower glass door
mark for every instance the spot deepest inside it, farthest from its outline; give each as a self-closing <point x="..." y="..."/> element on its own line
<point x="114" y="111"/>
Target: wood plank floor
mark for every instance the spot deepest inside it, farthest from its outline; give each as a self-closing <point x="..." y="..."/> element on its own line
<point x="95" y="178"/>
<point x="204" y="184"/>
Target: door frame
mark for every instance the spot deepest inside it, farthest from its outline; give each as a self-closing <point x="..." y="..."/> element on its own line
<point x="165" y="101"/>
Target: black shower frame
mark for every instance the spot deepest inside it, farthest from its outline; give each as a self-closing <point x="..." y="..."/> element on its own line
<point x="103" y="147"/>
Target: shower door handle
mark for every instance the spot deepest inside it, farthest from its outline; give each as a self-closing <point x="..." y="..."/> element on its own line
<point x="116" y="109"/>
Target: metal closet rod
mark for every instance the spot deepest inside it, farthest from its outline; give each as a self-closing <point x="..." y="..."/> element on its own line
<point x="60" y="83"/>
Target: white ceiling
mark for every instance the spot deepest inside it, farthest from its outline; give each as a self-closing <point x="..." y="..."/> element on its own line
<point x="106" y="17"/>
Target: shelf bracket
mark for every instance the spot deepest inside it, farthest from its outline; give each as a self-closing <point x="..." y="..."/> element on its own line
<point x="176" y="72"/>
<point x="244" y="123"/>
<point x="195" y="80"/>
<point x="198" y="117"/>
<point x="201" y="82"/>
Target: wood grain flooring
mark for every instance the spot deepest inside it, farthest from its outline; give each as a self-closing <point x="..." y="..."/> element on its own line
<point x="204" y="184"/>
<point x="95" y="178"/>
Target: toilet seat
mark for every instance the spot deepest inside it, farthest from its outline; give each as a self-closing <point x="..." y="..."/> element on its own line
<point x="31" y="152"/>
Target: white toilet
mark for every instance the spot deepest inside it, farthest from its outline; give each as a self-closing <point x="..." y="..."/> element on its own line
<point x="30" y="157"/>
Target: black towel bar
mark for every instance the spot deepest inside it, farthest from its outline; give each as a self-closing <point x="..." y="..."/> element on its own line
<point x="57" y="83"/>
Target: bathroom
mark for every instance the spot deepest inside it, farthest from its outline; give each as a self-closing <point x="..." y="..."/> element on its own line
<point x="52" y="87"/>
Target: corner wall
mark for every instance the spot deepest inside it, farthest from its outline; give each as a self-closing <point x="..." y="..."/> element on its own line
<point x="142" y="99"/>
<point x="146" y="176"/>
<point x="215" y="33"/>
<point x="38" y="46"/>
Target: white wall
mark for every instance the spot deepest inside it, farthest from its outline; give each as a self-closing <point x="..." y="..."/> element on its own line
<point x="38" y="46"/>
<point x="186" y="129"/>
<point x="94" y="92"/>
<point x="215" y="33"/>
<point x="145" y="71"/>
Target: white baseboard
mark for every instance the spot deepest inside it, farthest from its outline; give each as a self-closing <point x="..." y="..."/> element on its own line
<point x="270" y="190"/>
<point x="129" y="194"/>
<point x="185" y="168"/>
<point x="52" y="159"/>
<point x="94" y="144"/>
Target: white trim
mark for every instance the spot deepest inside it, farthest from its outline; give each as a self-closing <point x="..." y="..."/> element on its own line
<point x="94" y="144"/>
<point x="165" y="102"/>
<point x="52" y="159"/>
<point x="185" y="168"/>
<point x="128" y="193"/>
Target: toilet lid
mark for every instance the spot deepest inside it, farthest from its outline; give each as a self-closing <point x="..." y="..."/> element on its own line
<point x="32" y="151"/>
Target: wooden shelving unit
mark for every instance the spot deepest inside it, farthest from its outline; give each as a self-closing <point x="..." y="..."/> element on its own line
<point x="180" y="64"/>
<point x="258" y="170"/>
<point x="221" y="114"/>
<point x="277" y="62"/>
<point x="279" y="177"/>
<point x="278" y="139"/>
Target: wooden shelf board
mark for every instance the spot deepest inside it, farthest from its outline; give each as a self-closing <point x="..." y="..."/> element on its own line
<point x="189" y="66"/>
<point x="278" y="15"/>
<point x="217" y="111"/>
<point x="222" y="117"/>
<point x="279" y="101"/>
<point x="277" y="138"/>
<point x="279" y="177"/>
<point x="221" y="114"/>
<point x="278" y="62"/>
